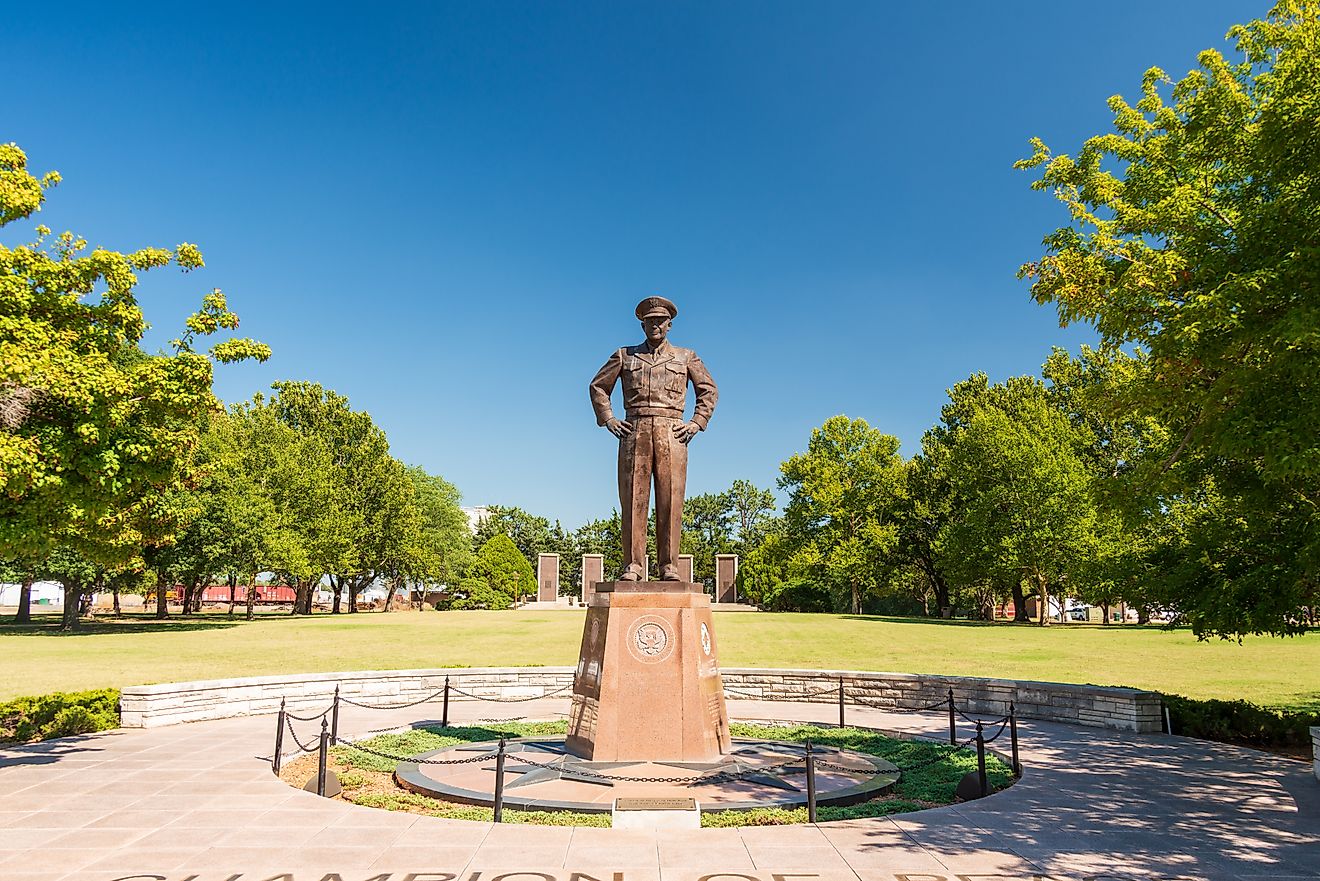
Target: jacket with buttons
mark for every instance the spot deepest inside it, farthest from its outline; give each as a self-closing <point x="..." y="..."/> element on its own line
<point x="654" y="384"/>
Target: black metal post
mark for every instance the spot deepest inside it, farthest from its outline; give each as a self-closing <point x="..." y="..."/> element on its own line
<point x="334" y="719"/>
<point x="1012" y="731"/>
<point x="320" y="759"/>
<point x="279" y="741"/>
<point x="444" y="713"/>
<point x="953" y="722"/>
<point x="980" y="761"/>
<point x="811" y="784"/>
<point x="499" y="783"/>
<point x="841" y="723"/>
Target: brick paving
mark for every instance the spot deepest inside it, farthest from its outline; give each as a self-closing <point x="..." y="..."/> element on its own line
<point x="197" y="802"/>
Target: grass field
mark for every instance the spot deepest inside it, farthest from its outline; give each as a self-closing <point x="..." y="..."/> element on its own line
<point x="129" y="651"/>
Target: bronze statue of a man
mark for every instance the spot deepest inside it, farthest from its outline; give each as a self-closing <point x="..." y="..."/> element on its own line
<point x="653" y="437"/>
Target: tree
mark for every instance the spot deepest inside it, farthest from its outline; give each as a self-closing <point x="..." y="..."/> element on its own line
<point x="93" y="431"/>
<point x="1193" y="243"/>
<point x="707" y="531"/>
<point x="445" y="543"/>
<point x="752" y="509"/>
<point x="1027" y="507"/>
<point x="533" y="536"/>
<point x="498" y="576"/>
<point x="843" y="495"/>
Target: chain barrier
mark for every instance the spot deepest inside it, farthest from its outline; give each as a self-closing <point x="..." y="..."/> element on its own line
<point x="483" y="757"/>
<point x="1002" y="725"/>
<point x="302" y="747"/>
<point x="320" y="715"/>
<point x="708" y="777"/>
<point x="898" y="708"/>
<point x="430" y="697"/>
<point x="512" y="700"/>
<point x="976" y="721"/>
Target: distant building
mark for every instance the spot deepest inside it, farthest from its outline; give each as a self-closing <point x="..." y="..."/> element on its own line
<point x="475" y="516"/>
<point x="44" y="593"/>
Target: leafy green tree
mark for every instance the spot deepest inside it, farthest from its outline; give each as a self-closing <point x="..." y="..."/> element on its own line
<point x="752" y="509"/>
<point x="498" y="576"/>
<point x="533" y="536"/>
<point x="1027" y="507"/>
<point x="707" y="530"/>
<point x="93" y="431"/>
<point x="1192" y="245"/>
<point x="446" y="545"/>
<point x="844" y="492"/>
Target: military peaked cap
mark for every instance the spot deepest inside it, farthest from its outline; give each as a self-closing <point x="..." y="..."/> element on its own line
<point x="656" y="306"/>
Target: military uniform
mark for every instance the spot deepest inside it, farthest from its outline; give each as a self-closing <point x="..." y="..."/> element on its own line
<point x="654" y="393"/>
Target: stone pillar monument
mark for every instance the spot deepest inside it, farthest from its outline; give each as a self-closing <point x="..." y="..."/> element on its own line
<point x="648" y="684"/>
<point x="593" y="573"/>
<point x="547" y="578"/>
<point x="726" y="571"/>
<point x="685" y="568"/>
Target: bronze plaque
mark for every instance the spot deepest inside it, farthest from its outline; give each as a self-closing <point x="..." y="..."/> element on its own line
<point x="655" y="804"/>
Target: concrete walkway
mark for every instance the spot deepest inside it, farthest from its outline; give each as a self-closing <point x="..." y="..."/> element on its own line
<point x="198" y="803"/>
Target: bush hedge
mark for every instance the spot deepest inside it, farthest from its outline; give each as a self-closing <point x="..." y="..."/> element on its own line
<point x="1239" y="722"/>
<point x="28" y="719"/>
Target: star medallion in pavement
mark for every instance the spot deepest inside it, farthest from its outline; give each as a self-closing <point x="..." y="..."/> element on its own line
<point x="562" y="768"/>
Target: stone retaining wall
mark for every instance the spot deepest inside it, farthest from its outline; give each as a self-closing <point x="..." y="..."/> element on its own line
<point x="1315" y="751"/>
<point x="151" y="706"/>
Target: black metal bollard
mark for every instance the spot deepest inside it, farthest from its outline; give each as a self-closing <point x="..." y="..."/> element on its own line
<point x="499" y="783"/>
<point x="1012" y="731"/>
<point x="334" y="719"/>
<point x="980" y="761"/>
<point x="811" y="784"/>
<point x="279" y="741"/>
<point x="953" y="722"/>
<point x="841" y="723"/>
<point x="444" y="712"/>
<point x="320" y="759"/>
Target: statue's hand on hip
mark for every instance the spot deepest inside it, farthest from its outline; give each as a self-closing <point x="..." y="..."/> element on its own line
<point x="619" y="428"/>
<point x="686" y="431"/>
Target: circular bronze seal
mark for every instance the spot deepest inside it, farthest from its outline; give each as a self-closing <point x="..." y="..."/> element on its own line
<point x="650" y="639"/>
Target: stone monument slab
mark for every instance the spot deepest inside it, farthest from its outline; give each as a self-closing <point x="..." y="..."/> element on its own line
<point x="593" y="573"/>
<point x="726" y="574"/>
<point x="685" y="568"/>
<point x="547" y="578"/>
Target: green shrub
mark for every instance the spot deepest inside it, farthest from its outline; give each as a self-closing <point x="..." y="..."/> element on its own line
<point x="28" y="719"/>
<point x="1239" y="722"/>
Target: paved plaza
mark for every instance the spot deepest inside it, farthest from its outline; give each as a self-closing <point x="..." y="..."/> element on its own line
<point x="197" y="802"/>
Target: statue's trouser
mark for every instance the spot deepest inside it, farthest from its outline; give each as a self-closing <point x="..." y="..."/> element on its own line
<point x="652" y="449"/>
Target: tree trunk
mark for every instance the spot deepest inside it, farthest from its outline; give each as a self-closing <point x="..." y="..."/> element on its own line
<point x="1143" y="614"/>
<point x="353" y="590"/>
<point x="311" y="594"/>
<point x="856" y="600"/>
<point x="389" y="594"/>
<point x="162" y="597"/>
<point x="1043" y="588"/>
<point x="301" y="591"/>
<point x="251" y="596"/>
<point x="1104" y="613"/>
<point x="1019" y="603"/>
<point x="233" y="592"/>
<point x="24" y="615"/>
<point x="73" y="592"/>
<point x="114" y="592"/>
<point x="337" y="585"/>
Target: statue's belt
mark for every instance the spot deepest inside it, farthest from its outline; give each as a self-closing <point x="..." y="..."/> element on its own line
<point x="670" y="412"/>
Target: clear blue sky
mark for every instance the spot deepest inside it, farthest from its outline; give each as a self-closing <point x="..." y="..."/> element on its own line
<point x="447" y="211"/>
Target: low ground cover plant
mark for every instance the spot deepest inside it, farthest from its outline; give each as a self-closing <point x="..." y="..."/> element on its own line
<point x="27" y="719"/>
<point x="931" y="773"/>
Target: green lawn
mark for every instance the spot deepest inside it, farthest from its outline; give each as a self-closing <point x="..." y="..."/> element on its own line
<point x="36" y="659"/>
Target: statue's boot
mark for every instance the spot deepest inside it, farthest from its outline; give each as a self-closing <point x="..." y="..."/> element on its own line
<point x="669" y="572"/>
<point x="632" y="573"/>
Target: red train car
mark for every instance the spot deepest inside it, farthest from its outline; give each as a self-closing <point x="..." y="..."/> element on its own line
<point x="267" y="594"/>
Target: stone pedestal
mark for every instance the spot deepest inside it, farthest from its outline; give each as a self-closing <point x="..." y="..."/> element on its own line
<point x="726" y="573"/>
<point x="593" y="572"/>
<point x="685" y="568"/>
<point x="648" y="685"/>
<point x="547" y="577"/>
